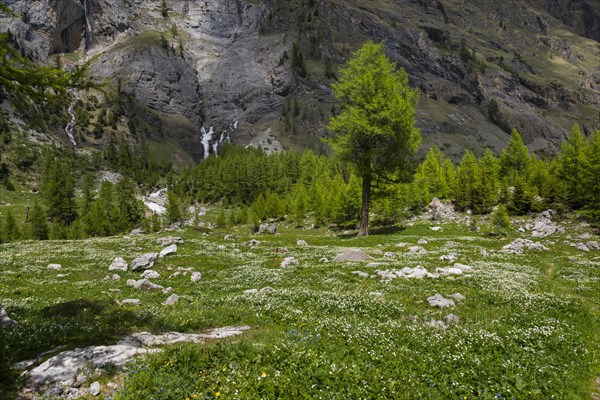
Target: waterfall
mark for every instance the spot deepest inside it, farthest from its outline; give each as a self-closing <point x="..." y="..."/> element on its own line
<point x="70" y="128"/>
<point x="88" y="26"/>
<point x="205" y="139"/>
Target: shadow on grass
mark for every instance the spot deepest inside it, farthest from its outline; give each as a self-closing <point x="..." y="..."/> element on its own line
<point x="77" y="323"/>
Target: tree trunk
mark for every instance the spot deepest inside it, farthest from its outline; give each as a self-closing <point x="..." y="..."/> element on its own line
<point x="363" y="226"/>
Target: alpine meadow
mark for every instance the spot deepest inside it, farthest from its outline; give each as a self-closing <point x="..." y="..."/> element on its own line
<point x="300" y="199"/>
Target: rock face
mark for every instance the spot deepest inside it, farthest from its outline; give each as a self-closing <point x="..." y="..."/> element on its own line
<point x="177" y="89"/>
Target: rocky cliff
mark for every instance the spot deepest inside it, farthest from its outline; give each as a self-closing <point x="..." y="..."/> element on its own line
<point x="259" y="71"/>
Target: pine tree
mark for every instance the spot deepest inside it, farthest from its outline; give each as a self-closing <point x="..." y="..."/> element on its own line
<point x="514" y="159"/>
<point x="11" y="230"/>
<point x="466" y="177"/>
<point x="131" y="209"/>
<point x="173" y="208"/>
<point x="572" y="161"/>
<point x="38" y="229"/>
<point x="592" y="176"/>
<point x="486" y="183"/>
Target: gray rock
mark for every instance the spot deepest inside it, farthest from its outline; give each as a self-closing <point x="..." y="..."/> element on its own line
<point x="150" y="274"/>
<point x="449" y="257"/>
<point x="464" y="268"/>
<point x="301" y="243"/>
<point x="118" y="264"/>
<point x="389" y="254"/>
<point x="519" y="245"/>
<point x="5" y="320"/>
<point x="422" y="241"/>
<point x="145" y="284"/>
<point x="436" y="228"/>
<point x="167" y="290"/>
<point x="148" y="339"/>
<point x="171" y="300"/>
<point x="250" y="291"/>
<point x="169" y="240"/>
<point x="231" y="238"/>
<point x="324" y="260"/>
<point x="451" y="319"/>
<point x="253" y="243"/>
<point x="55" y="267"/>
<point x="593" y="245"/>
<point x="196" y="276"/>
<point x="132" y="302"/>
<point x="221" y="247"/>
<point x="137" y="231"/>
<point x="288" y="262"/>
<point x="352" y="255"/>
<point x="267" y="228"/>
<point x="361" y="274"/>
<point x="449" y="271"/>
<point x="130" y="282"/>
<point x="376" y="294"/>
<point x="440" y="301"/>
<point x="436" y="324"/>
<point x="95" y="388"/>
<point x="172" y="249"/>
<point x="580" y="246"/>
<point x="267" y="289"/>
<point x="144" y="261"/>
<point x="457" y="296"/>
<point x="416" y="250"/>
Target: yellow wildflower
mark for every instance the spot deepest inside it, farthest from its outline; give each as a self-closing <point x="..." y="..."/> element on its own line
<point x="264" y="374"/>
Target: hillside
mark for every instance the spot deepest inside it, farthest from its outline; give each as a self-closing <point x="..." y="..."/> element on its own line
<point x="258" y="72"/>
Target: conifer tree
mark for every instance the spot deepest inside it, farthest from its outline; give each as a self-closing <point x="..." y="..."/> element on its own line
<point x="174" y="212"/>
<point x="592" y="176"/>
<point x="375" y="131"/>
<point x="486" y="183"/>
<point x="38" y="228"/>
<point x="514" y="159"/>
<point x="572" y="162"/>
<point x="11" y="230"/>
<point x="466" y="177"/>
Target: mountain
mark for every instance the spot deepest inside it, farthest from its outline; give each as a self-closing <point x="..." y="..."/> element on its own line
<point x="187" y="75"/>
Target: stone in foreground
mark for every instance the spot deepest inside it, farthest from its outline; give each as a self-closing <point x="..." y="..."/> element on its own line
<point x="144" y="262"/>
<point x="352" y="255"/>
<point x="118" y="264"/>
<point x="172" y="249"/>
<point x="440" y="301"/>
<point x="55" y="267"/>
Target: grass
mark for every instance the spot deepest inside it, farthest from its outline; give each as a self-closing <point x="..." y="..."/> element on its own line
<point x="528" y="328"/>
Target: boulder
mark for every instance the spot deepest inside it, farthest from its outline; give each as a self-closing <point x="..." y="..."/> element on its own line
<point x="288" y="262"/>
<point x="196" y="276"/>
<point x="5" y="320"/>
<point x="95" y="388"/>
<point x="118" y="264"/>
<point x="150" y="274"/>
<point x="145" y="284"/>
<point x="55" y="267"/>
<point x="171" y="300"/>
<point x="440" y="301"/>
<point x="169" y="240"/>
<point x="172" y="249"/>
<point x="439" y="211"/>
<point x="352" y="255"/>
<point x="144" y="261"/>
<point x="267" y="228"/>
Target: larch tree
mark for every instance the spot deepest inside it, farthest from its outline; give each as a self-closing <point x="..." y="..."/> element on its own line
<point x="375" y="130"/>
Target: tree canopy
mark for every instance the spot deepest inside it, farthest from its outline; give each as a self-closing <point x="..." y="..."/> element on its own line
<point x="375" y="130"/>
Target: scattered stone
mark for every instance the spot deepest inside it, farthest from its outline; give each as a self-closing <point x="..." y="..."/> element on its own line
<point x="436" y="324"/>
<point x="484" y="253"/>
<point x="288" y="262"/>
<point x="55" y="267"/>
<point x="267" y="289"/>
<point x="196" y="276"/>
<point x="352" y="255"/>
<point x="5" y="320"/>
<point x="144" y="261"/>
<point x="150" y="274"/>
<point x="171" y="300"/>
<point x="229" y="237"/>
<point x="172" y="249"/>
<point x="438" y="211"/>
<point x="62" y="275"/>
<point x="118" y="264"/>
<point x="422" y="241"/>
<point x="584" y="236"/>
<point x="402" y="244"/>
<point x="169" y="240"/>
<point x="167" y="290"/>
<point x="361" y="274"/>
<point x="95" y="388"/>
<point x="253" y="243"/>
<point x="148" y="339"/>
<point x="137" y="231"/>
<point x="416" y="250"/>
<point x="580" y="246"/>
<point x="221" y="247"/>
<point x="449" y="257"/>
<point x="377" y="294"/>
<point x="377" y="252"/>
<point x="449" y="271"/>
<point x="457" y="296"/>
<point x="301" y="243"/>
<point x="250" y="291"/>
<point x="519" y="245"/>
<point x="145" y="284"/>
<point x="267" y="228"/>
<point x="440" y="301"/>
<point x="464" y="268"/>
<point x="451" y="319"/>
<point x="133" y="302"/>
<point x="593" y="245"/>
<point x="114" y="277"/>
<point x="436" y="228"/>
<point x="324" y="260"/>
<point x="115" y="290"/>
<point x="376" y="264"/>
<point x="130" y="282"/>
<point x="389" y="254"/>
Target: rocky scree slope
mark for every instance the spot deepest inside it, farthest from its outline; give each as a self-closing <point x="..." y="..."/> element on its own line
<point x="259" y="72"/>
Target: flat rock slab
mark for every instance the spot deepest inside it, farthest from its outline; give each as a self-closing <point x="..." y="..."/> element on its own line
<point x="172" y="249"/>
<point x="148" y="340"/>
<point x="352" y="255"/>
